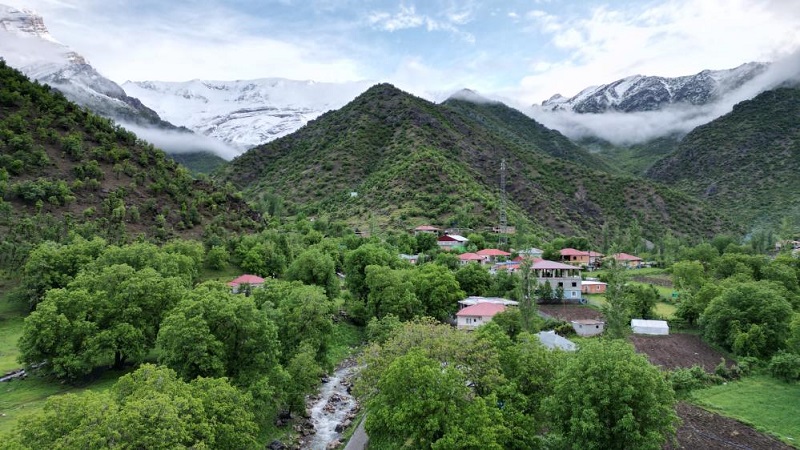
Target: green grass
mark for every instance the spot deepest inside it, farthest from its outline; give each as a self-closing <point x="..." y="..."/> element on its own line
<point x="768" y="404"/>
<point x="665" y="310"/>
<point x="12" y="316"/>
<point x="24" y="397"/>
<point x="346" y="338"/>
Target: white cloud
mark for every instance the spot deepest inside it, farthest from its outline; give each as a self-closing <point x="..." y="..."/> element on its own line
<point x="671" y="38"/>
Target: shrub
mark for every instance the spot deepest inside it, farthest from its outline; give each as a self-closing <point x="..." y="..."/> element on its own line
<point x="685" y="380"/>
<point x="785" y="366"/>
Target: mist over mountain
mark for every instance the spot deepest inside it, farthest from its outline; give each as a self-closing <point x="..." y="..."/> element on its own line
<point x="639" y="109"/>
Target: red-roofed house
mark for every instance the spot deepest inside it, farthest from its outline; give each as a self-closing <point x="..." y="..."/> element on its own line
<point x="425" y="229"/>
<point x="466" y="258"/>
<point x="629" y="261"/>
<point x="492" y="255"/>
<point x="451" y="241"/>
<point x="238" y="283"/>
<point x="580" y="258"/>
<point x="476" y="315"/>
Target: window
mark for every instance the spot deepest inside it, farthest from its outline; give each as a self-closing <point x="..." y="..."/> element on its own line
<point x="574" y="284"/>
<point x="574" y="294"/>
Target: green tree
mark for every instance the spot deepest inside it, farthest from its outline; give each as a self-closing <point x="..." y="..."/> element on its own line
<point x="391" y="292"/>
<point x="217" y="257"/>
<point x="617" y="308"/>
<point x="108" y="317"/>
<point x="436" y="287"/>
<point x="315" y="268"/>
<point x="474" y="279"/>
<point x="213" y="333"/>
<point x="750" y="319"/>
<point x="421" y="404"/>
<point x="425" y="242"/>
<point x="608" y="396"/>
<point x="355" y="266"/>
<point x="688" y="276"/>
<point x="149" y="408"/>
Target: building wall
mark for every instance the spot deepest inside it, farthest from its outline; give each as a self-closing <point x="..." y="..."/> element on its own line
<point x="471" y="322"/>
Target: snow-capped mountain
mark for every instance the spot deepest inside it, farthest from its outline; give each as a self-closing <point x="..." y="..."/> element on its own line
<point x="244" y="113"/>
<point x="650" y="93"/>
<point x="27" y="45"/>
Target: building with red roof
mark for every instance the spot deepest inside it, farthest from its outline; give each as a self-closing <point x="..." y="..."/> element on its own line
<point x="493" y="254"/>
<point x="580" y="258"/>
<point x="239" y="282"/>
<point x="478" y="314"/>
<point x="629" y="261"/>
<point x="426" y="229"/>
<point x="466" y="258"/>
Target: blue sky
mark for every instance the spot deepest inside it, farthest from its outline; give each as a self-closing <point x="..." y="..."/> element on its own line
<point x="521" y="50"/>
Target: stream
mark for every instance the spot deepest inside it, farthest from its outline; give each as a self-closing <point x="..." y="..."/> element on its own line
<point x="333" y="407"/>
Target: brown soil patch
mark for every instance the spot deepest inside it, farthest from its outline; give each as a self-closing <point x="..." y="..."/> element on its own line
<point x="677" y="350"/>
<point x="570" y="312"/>
<point x="702" y="429"/>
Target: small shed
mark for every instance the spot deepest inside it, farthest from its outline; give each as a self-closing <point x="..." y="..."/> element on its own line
<point x="642" y="326"/>
<point x="553" y="341"/>
<point x="588" y="327"/>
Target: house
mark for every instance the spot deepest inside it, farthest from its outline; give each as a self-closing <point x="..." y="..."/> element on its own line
<point x="629" y="261"/>
<point x="588" y="327"/>
<point x="466" y="258"/>
<point x="478" y="314"/>
<point x="553" y="341"/>
<point x="492" y="255"/>
<point x="505" y="266"/>
<point x="475" y="299"/>
<point x="451" y="241"/>
<point x="593" y="287"/>
<point x="532" y="252"/>
<point x="410" y="258"/>
<point x="642" y="326"/>
<point x="241" y="283"/>
<point x="566" y="276"/>
<point x="426" y="229"/>
<point x="581" y="258"/>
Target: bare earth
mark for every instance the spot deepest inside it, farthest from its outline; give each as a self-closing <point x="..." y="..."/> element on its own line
<point x="677" y="350"/>
<point x="570" y="312"/>
<point x="705" y="430"/>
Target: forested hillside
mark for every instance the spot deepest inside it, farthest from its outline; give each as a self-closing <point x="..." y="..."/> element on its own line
<point x="747" y="163"/>
<point x="65" y="170"/>
<point x="402" y="161"/>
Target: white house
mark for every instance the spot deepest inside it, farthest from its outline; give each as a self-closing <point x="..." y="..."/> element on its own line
<point x="562" y="275"/>
<point x="588" y="327"/>
<point x="642" y="326"/>
<point x="478" y="314"/>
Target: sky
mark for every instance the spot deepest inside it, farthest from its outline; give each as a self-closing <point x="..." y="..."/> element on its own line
<point x="524" y="50"/>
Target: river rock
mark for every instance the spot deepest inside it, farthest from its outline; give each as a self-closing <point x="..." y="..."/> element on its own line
<point x="276" y="445"/>
<point x="333" y="445"/>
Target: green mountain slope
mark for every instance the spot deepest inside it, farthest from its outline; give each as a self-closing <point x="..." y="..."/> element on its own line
<point x="198" y="162"/>
<point x="634" y="159"/>
<point x="746" y="162"/>
<point x="64" y="169"/>
<point x="399" y="160"/>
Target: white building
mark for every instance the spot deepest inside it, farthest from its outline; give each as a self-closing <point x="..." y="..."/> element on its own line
<point x="476" y="315"/>
<point x="656" y="327"/>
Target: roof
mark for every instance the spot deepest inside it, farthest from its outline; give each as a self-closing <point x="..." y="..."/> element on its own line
<point x="531" y="251"/>
<point x="484" y="309"/>
<point x="474" y="300"/>
<point x="649" y="323"/>
<point x="426" y="228"/>
<point x="625" y="257"/>
<point x="593" y="283"/>
<point x="588" y="322"/>
<point x="551" y="340"/>
<point x="493" y="252"/>
<point x="246" y="279"/>
<point x="453" y="237"/>
<point x="506" y="265"/>
<point x="470" y="257"/>
<point x="545" y="264"/>
<point x="573" y="252"/>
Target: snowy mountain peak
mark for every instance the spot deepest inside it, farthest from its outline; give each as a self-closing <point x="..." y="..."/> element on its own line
<point x="650" y="93"/>
<point x="244" y="113"/>
<point x="23" y="22"/>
